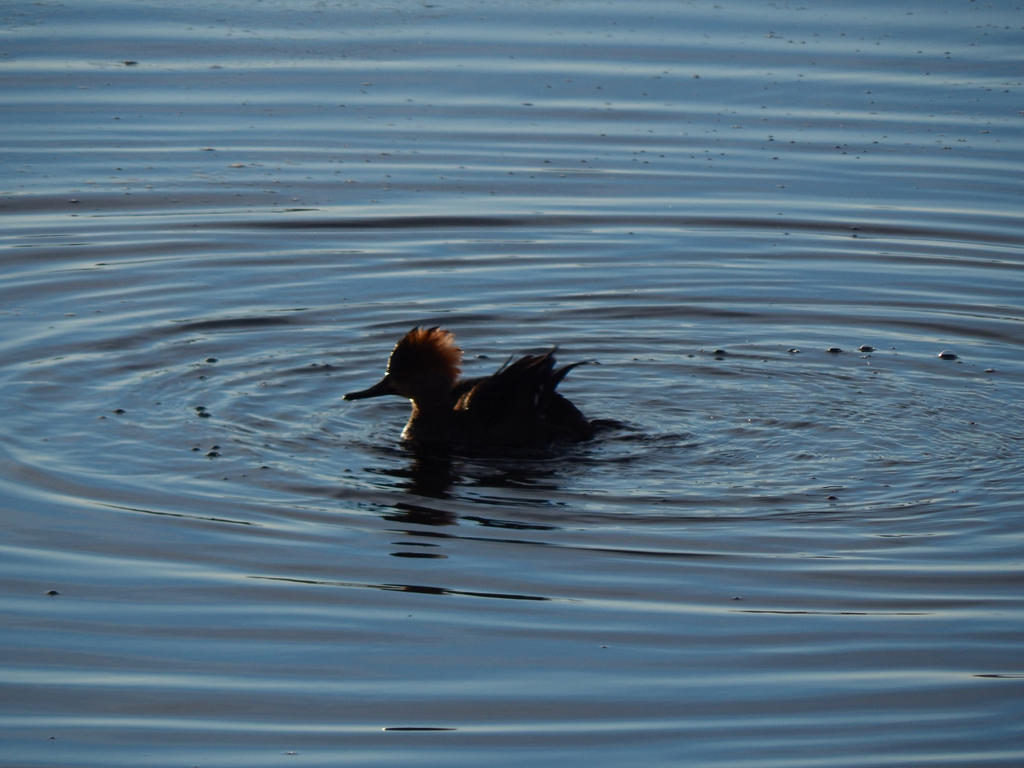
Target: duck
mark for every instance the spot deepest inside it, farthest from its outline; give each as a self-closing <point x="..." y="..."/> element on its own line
<point x="514" y="407"/>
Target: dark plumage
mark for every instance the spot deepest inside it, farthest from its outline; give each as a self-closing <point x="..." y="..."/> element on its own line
<point x="517" y="406"/>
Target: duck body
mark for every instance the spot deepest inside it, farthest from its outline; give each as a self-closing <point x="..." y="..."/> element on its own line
<point x="515" y="407"/>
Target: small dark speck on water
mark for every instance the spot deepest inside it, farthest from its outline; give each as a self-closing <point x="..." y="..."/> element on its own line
<point x="420" y="555"/>
<point x="211" y="359"/>
<point x="52" y="593"/>
<point x="793" y="351"/>
<point x="834" y="350"/>
<point x="947" y="355"/>
<point x="866" y="348"/>
<point x="120" y="411"/>
<point x="130" y="63"/>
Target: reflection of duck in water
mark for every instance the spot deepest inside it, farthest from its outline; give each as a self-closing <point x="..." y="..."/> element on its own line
<point x="516" y="406"/>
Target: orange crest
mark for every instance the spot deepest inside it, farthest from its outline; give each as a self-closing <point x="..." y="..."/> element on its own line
<point x="426" y="350"/>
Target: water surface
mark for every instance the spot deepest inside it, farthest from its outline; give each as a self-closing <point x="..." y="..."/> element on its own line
<point x="765" y="222"/>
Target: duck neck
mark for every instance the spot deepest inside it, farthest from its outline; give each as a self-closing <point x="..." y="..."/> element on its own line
<point x="431" y="417"/>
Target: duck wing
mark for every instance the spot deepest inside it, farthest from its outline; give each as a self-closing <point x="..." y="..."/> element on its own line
<point x="518" y="404"/>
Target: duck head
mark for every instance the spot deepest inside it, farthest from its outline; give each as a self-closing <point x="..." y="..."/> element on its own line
<point x="425" y="364"/>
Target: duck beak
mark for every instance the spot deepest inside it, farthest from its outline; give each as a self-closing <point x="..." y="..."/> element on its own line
<point x="382" y="387"/>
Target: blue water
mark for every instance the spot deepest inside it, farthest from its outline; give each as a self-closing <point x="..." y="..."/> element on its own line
<point x="217" y="218"/>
